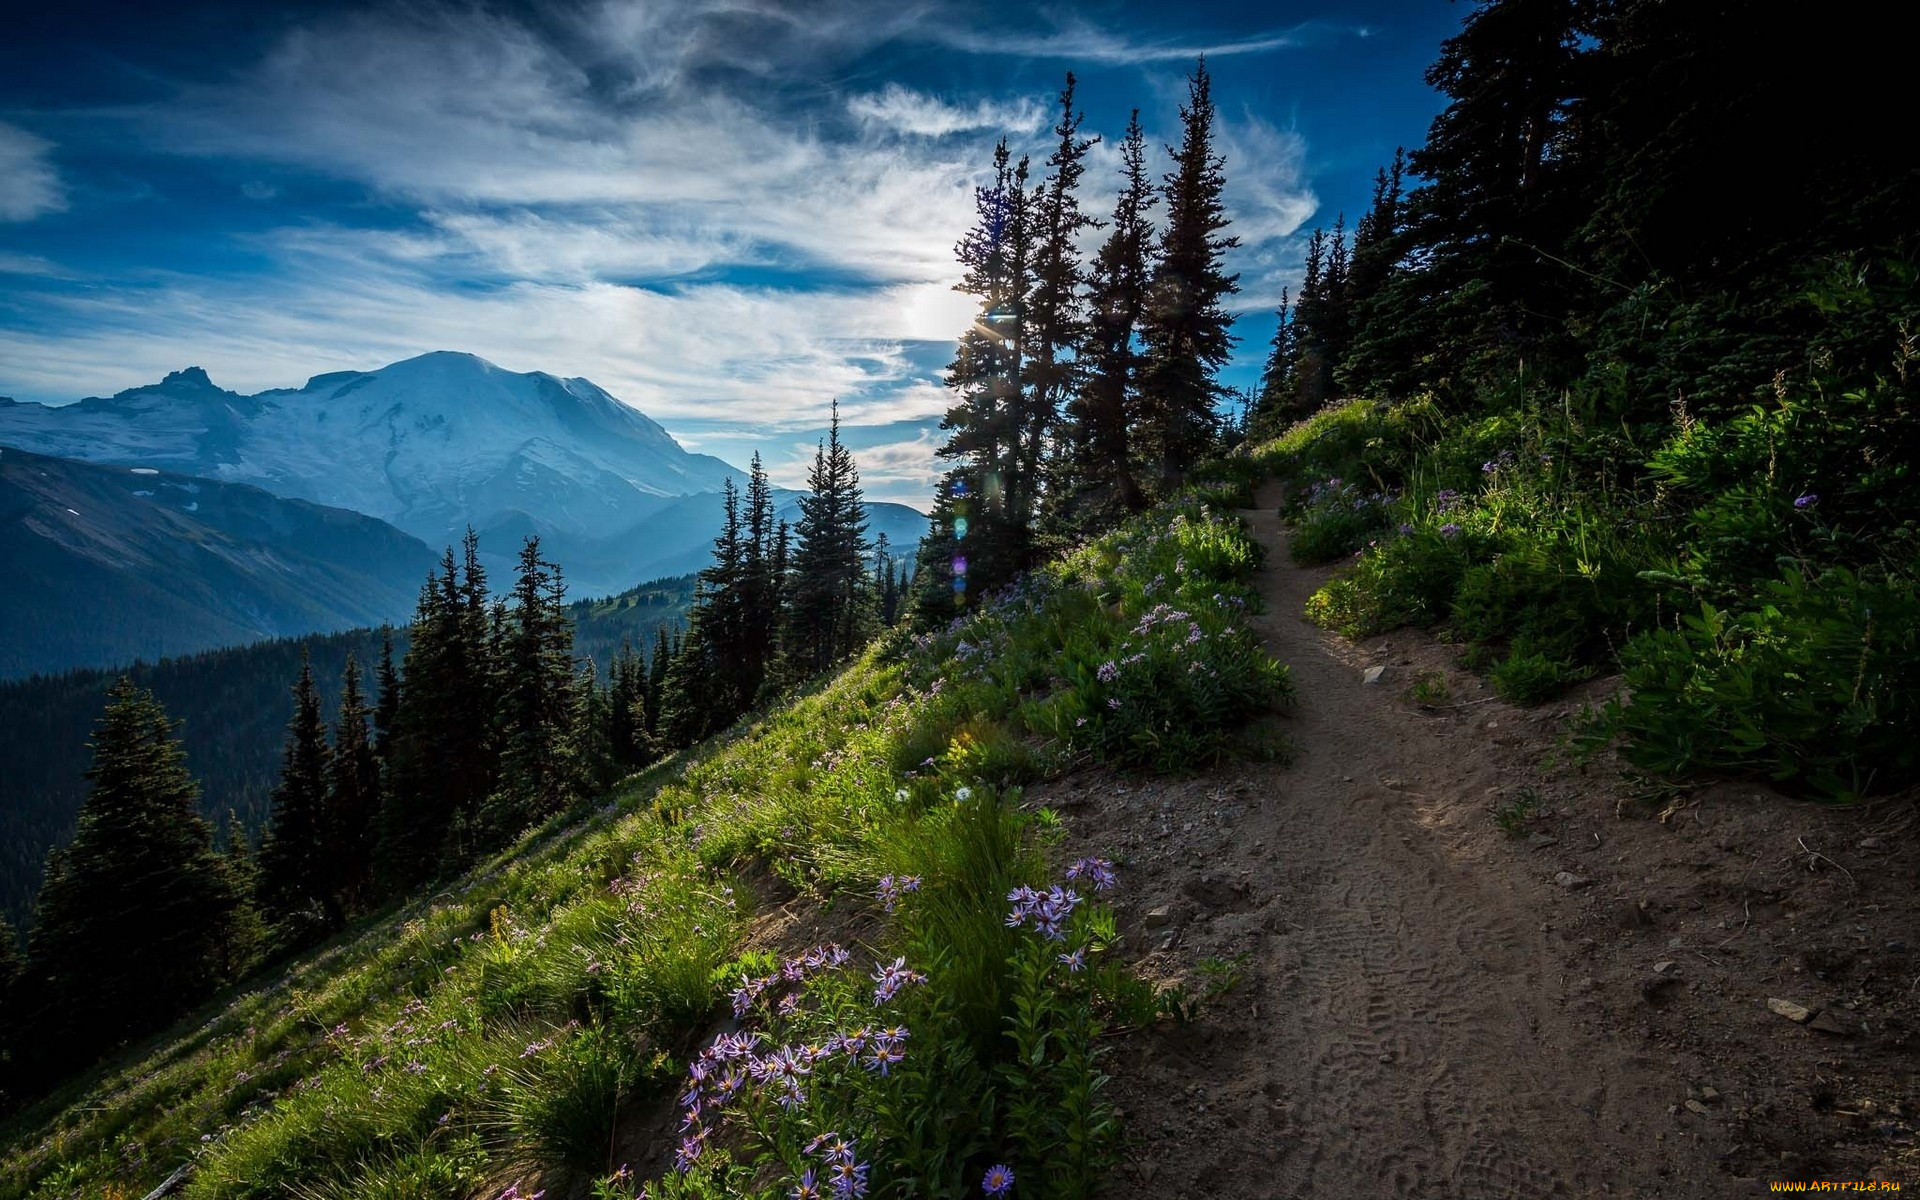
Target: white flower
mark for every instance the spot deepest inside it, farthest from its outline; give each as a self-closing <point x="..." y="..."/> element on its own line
<point x="900" y="796"/>
<point x="962" y="795"/>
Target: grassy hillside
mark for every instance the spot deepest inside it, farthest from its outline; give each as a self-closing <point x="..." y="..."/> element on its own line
<point x="641" y="977"/>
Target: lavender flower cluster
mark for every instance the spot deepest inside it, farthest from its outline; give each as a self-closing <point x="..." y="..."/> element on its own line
<point x="794" y="970"/>
<point x="892" y="888"/>
<point x="735" y="1065"/>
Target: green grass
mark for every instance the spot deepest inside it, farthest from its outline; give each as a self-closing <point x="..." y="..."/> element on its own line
<point x="497" y="1032"/>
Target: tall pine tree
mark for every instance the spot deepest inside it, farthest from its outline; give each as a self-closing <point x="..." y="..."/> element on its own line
<point x="296" y="885"/>
<point x="353" y="795"/>
<point x="539" y="774"/>
<point x="132" y="916"/>
<point x="1186" y="323"/>
<point x="1099" y="463"/>
<point x="828" y="613"/>
<point x="1053" y="328"/>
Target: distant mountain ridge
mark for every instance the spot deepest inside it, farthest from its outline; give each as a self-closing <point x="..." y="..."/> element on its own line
<point x="429" y="444"/>
<point x="108" y="564"/>
<point x="432" y="445"/>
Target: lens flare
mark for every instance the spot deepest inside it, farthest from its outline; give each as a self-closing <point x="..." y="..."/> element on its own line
<point x="959" y="527"/>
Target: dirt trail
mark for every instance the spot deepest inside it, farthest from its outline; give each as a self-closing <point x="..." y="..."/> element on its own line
<point x="1414" y="1012"/>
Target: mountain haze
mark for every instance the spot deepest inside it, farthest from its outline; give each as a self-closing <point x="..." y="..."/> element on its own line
<point x="108" y="564"/>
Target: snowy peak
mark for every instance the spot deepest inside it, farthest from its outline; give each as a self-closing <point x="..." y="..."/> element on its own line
<point x="432" y="444"/>
<point x="190" y="377"/>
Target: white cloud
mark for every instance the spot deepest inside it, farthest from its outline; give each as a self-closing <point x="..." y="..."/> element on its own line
<point x="29" y="186"/>
<point x="907" y="111"/>
<point x="1077" y="40"/>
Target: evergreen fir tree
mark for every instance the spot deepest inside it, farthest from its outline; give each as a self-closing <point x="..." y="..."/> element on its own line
<point x="629" y="723"/>
<point x="761" y="568"/>
<point x="721" y="612"/>
<point x="387" y="707"/>
<point x="442" y="759"/>
<point x="983" y="423"/>
<point x="1185" y="324"/>
<point x="588" y="740"/>
<point x="1054" y="325"/>
<point x="134" y="911"/>
<point x="939" y="594"/>
<point x="296" y="871"/>
<point x="657" y="664"/>
<point x="353" y="795"/>
<point x="827" y="615"/>
<point x="1275" y="407"/>
<point x="247" y="934"/>
<point x="538" y="774"/>
<point x="1099" y="467"/>
<point x="687" y="709"/>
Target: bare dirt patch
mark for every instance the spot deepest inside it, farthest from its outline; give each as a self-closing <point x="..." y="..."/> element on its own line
<point x="1411" y="1000"/>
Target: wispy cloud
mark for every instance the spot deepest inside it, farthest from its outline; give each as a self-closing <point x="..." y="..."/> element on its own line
<point x="907" y="111"/>
<point x="1077" y="40"/>
<point x="29" y="185"/>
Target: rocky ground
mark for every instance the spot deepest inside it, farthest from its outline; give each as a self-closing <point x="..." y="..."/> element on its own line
<point x="1431" y="957"/>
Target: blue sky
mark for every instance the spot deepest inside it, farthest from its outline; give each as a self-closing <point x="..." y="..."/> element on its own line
<point x="728" y="215"/>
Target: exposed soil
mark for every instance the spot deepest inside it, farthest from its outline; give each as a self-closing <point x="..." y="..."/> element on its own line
<point x="1423" y="1010"/>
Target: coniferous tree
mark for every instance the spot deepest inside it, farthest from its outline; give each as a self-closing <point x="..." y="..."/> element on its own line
<point x="1185" y="324"/>
<point x="828" y="613"/>
<point x="1101" y="483"/>
<point x="132" y="917"/>
<point x="442" y="760"/>
<point x="629" y="723"/>
<point x="939" y="591"/>
<point x="1053" y="328"/>
<point x="296" y="885"/>
<point x="657" y="664"/>
<point x="687" y="709"/>
<point x="589" y="743"/>
<point x="247" y="934"/>
<point x="983" y="423"/>
<point x="387" y="707"/>
<point x="721" y="612"/>
<point x="1495" y="196"/>
<point x="353" y="795"/>
<point x="761" y="566"/>
<point x="538" y="772"/>
<point x="1275" y="405"/>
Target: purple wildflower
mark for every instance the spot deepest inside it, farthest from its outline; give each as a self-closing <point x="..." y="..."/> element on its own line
<point x="1097" y="870"/>
<point x="689" y="1152"/>
<point x="1075" y="962"/>
<point x="1807" y="501"/>
<point x="807" y="1187"/>
<point x="1449" y="530"/>
<point x="891" y="977"/>
<point x="998" y="1180"/>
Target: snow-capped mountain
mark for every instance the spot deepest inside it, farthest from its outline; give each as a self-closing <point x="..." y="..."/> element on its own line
<point x="431" y="444"/>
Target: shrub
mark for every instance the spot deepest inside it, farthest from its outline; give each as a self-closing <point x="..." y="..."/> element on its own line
<point x="1816" y="680"/>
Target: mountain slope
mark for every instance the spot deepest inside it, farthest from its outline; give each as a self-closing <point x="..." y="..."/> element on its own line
<point x="106" y="564"/>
